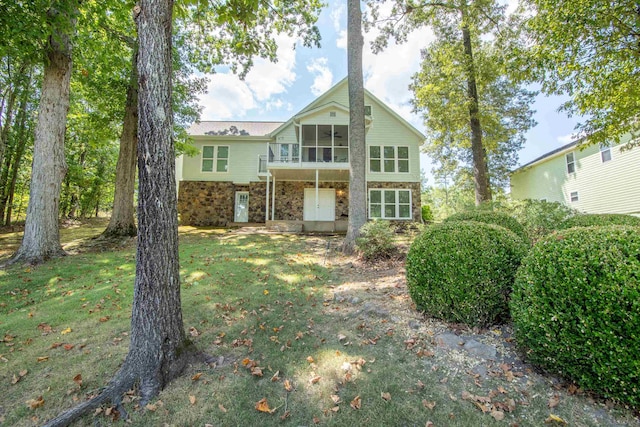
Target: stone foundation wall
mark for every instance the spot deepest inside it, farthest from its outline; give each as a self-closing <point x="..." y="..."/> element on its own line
<point x="212" y="203"/>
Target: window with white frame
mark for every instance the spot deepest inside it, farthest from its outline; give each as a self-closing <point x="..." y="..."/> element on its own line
<point x="215" y="158"/>
<point x="388" y="158"/>
<point x="389" y="204"/>
<point x="571" y="162"/>
<point x="605" y="153"/>
<point x="574" y="196"/>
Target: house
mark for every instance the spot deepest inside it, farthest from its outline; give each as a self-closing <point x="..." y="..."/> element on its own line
<point x="591" y="179"/>
<point x="295" y="174"/>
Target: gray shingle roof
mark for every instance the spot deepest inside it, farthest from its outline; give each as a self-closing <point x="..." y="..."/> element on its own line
<point x="219" y="128"/>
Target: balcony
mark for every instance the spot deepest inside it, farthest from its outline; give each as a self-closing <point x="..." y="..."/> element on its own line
<point x="288" y="155"/>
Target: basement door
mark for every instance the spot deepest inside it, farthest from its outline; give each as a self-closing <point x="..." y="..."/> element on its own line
<point x="242" y="206"/>
<point x="324" y="209"/>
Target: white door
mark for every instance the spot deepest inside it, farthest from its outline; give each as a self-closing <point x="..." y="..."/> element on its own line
<point x="242" y="206"/>
<point x="324" y="209"/>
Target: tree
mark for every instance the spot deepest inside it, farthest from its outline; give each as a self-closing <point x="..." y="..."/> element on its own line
<point x="357" y="143"/>
<point x="41" y="239"/>
<point x="502" y="108"/>
<point x="465" y="22"/>
<point x="589" y="50"/>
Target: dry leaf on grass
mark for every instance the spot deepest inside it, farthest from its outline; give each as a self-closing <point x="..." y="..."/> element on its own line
<point x="498" y="415"/>
<point x="554" y="419"/>
<point x="65" y="331"/>
<point x="427" y="404"/>
<point x="287" y="385"/>
<point x="385" y="396"/>
<point x="356" y="403"/>
<point x="315" y="379"/>
<point x="554" y="401"/>
<point x="42" y="358"/>
<point x="263" y="406"/>
<point x="35" y="403"/>
<point x="335" y="398"/>
<point x="78" y="380"/>
<point x="192" y="399"/>
<point x="222" y="408"/>
<point x="310" y="359"/>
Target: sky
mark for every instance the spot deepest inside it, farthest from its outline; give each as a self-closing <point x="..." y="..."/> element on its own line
<point x="277" y="91"/>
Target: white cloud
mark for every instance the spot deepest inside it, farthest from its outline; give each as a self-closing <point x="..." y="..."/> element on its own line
<point x="338" y="15"/>
<point x="227" y="97"/>
<point x="341" y="41"/>
<point x="267" y="78"/>
<point x="323" y="77"/>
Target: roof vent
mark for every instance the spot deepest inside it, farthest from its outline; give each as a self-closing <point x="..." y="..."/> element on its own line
<point x="332" y="113"/>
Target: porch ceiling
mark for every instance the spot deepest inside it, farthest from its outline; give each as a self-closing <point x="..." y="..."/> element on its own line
<point x="310" y="174"/>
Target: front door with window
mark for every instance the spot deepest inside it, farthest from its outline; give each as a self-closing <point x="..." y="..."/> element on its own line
<point x="242" y="206"/>
<point x="324" y="209"/>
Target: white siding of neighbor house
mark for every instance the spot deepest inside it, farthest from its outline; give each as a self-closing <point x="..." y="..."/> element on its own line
<point x="243" y="161"/>
<point x="610" y="187"/>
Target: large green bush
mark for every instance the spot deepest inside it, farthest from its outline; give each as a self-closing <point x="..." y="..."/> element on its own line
<point x="463" y="271"/>
<point x="590" y="220"/>
<point x="492" y="217"/>
<point x="538" y="217"/>
<point x="376" y="240"/>
<point x="576" y="308"/>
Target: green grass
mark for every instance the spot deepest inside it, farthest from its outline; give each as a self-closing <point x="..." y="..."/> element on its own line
<point x="260" y="297"/>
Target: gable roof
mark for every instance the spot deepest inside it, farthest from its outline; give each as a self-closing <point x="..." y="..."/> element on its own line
<point x="235" y="128"/>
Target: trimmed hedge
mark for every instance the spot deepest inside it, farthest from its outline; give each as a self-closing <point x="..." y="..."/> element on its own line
<point x="591" y="220"/>
<point x="492" y="217"/>
<point x="463" y="271"/>
<point x="576" y="308"/>
<point x="539" y="217"/>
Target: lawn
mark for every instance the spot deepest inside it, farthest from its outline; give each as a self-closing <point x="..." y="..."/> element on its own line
<point x="297" y="334"/>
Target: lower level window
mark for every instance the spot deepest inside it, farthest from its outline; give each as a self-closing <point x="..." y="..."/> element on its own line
<point x="390" y="204"/>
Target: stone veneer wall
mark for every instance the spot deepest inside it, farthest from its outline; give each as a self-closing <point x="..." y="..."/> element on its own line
<point x="415" y="194"/>
<point x="212" y="203"/>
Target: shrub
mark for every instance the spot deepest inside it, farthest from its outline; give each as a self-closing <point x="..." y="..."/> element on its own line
<point x="589" y="220"/>
<point x="492" y="217"/>
<point x="576" y="308"/>
<point x="427" y="214"/>
<point x="376" y="240"/>
<point x="463" y="271"/>
<point x="538" y="217"/>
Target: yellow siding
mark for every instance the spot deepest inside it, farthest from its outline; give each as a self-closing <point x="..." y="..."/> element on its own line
<point x="610" y="187"/>
<point x="243" y="162"/>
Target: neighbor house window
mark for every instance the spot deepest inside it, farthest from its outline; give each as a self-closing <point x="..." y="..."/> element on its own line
<point x="389" y="204"/>
<point x="571" y="163"/>
<point x="215" y="158"/>
<point x="605" y="153"/>
<point x="388" y="158"/>
<point x="574" y="196"/>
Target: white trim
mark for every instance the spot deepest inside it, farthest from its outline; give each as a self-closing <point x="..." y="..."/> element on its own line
<point x="396" y="203"/>
<point x="572" y="162"/>
<point x="215" y="158"/>
<point x="605" y="149"/>
<point x="396" y="159"/>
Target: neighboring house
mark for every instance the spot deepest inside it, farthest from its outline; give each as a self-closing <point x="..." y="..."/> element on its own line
<point x="596" y="179"/>
<point x="295" y="175"/>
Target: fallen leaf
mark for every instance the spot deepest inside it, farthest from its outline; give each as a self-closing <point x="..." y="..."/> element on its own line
<point x="193" y="331"/>
<point x="222" y="408"/>
<point x="275" y="377"/>
<point x="192" y="399"/>
<point x="56" y="345"/>
<point x="335" y="398"/>
<point x="257" y="371"/>
<point x="246" y="361"/>
<point x="287" y="385"/>
<point x="104" y="319"/>
<point x="498" y="415"/>
<point x="151" y="407"/>
<point x="315" y="379"/>
<point x="429" y="424"/>
<point x="386" y="396"/>
<point x="555" y="419"/>
<point x="310" y="359"/>
<point x="68" y="346"/>
<point x="263" y="406"/>
<point x="316" y="420"/>
<point x="266" y="292"/>
<point x="35" y="403"/>
<point x="42" y="358"/>
<point x="554" y="401"/>
<point x="356" y="403"/>
<point x="427" y="404"/>
<point x="286" y="415"/>
<point x="78" y="380"/>
<point x="15" y="379"/>
<point x="44" y="328"/>
<point x="420" y="384"/>
<point x="341" y="337"/>
<point x="196" y="377"/>
<point x="65" y="331"/>
<point x="335" y="409"/>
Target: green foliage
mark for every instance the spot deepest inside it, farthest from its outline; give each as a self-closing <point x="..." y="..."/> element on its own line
<point x="576" y="308"/>
<point x="376" y="240"/>
<point x="491" y="217"/>
<point x="589" y="220"/>
<point x="427" y="214"/>
<point x="538" y="217"/>
<point x="464" y="271"/>
<point x="594" y="60"/>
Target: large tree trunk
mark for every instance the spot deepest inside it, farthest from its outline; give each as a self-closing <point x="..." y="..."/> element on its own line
<point x="159" y="348"/>
<point x="480" y="172"/>
<point x="122" y="221"/>
<point x="41" y="239"/>
<point x="357" y="144"/>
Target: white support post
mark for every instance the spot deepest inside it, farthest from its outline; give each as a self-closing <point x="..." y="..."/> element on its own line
<point x="273" y="199"/>
<point x="315" y="216"/>
<point x="266" y="213"/>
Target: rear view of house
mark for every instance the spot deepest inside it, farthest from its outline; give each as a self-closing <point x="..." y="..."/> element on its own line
<point x="295" y="174"/>
<point x="596" y="179"/>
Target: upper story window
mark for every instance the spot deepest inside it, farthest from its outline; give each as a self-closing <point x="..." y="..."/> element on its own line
<point x="574" y="196"/>
<point x="571" y="162"/>
<point x="388" y="158"/>
<point x="325" y="143"/>
<point x="215" y="158"/>
<point x="605" y="153"/>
